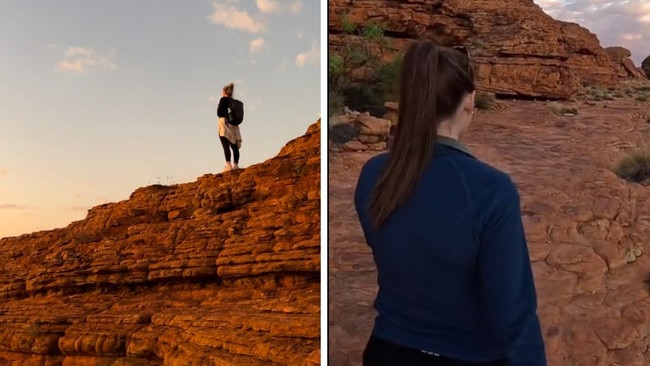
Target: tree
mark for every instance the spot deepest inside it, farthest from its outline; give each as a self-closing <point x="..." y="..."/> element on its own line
<point x="363" y="55"/>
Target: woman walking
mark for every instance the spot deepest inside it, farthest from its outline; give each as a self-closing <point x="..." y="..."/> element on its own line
<point x="445" y="229"/>
<point x="228" y="134"/>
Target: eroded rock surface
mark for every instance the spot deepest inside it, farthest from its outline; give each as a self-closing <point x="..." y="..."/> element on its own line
<point x="221" y="271"/>
<point x="370" y="133"/>
<point x="518" y="49"/>
<point x="645" y="66"/>
<point x="587" y="229"/>
<point x="620" y="57"/>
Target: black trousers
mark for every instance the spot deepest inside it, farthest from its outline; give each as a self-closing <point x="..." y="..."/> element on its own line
<point x="227" y="145"/>
<point x="379" y="352"/>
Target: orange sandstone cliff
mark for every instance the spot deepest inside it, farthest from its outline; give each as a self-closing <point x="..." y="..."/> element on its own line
<point x="221" y="271"/>
<point x="517" y="48"/>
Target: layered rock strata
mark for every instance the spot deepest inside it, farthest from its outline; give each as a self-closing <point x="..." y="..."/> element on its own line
<point x="221" y="271"/>
<point x="518" y="49"/>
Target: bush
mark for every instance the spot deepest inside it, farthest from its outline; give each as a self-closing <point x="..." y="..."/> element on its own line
<point x="484" y="101"/>
<point x="335" y="102"/>
<point x="386" y="77"/>
<point x="597" y="94"/>
<point x="361" y="54"/>
<point x="560" y="110"/>
<point x="643" y="88"/>
<point x="642" y="98"/>
<point x="635" y="167"/>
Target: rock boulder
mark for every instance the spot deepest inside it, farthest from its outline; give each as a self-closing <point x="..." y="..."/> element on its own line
<point x="645" y="66"/>
<point x="620" y="57"/>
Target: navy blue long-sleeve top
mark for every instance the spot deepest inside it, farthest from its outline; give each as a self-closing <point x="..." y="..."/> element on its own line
<point x="454" y="272"/>
<point x="222" y="108"/>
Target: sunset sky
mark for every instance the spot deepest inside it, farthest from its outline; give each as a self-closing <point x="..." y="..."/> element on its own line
<point x="98" y="98"/>
<point x="616" y="23"/>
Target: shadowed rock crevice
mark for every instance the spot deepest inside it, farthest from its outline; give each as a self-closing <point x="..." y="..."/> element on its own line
<point x="221" y="271"/>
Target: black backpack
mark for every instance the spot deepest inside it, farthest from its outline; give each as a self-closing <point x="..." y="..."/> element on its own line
<point x="236" y="115"/>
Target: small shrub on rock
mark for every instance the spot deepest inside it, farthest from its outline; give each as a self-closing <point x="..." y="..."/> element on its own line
<point x="635" y="167"/>
<point x="335" y="102"/>
<point x="643" y="88"/>
<point x="561" y="110"/>
<point x="484" y="101"/>
<point x="597" y="94"/>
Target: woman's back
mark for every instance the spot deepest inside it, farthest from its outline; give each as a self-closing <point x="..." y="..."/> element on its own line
<point x="455" y="280"/>
<point x="433" y="261"/>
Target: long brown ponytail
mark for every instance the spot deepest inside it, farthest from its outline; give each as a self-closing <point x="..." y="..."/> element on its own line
<point x="433" y="82"/>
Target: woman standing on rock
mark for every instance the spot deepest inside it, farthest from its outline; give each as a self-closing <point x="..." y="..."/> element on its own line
<point x="228" y="134"/>
<point x="455" y="280"/>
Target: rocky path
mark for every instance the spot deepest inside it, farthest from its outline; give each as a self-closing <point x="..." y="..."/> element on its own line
<point x="587" y="231"/>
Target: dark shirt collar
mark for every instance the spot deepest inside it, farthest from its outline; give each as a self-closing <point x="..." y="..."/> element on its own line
<point x="454" y="144"/>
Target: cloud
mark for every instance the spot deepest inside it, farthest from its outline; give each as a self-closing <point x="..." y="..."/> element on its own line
<point x="309" y="58"/>
<point x="256" y="45"/>
<point x="616" y="23"/>
<point x="255" y="105"/>
<point x="230" y="17"/>
<point x="296" y="7"/>
<point x="81" y="60"/>
<point x="301" y="35"/>
<point x="274" y="6"/>
<point x="4" y="172"/>
<point x="268" y="6"/>
<point x="13" y="207"/>
<point x="283" y="65"/>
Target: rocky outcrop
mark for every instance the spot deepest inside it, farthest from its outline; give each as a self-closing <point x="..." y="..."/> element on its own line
<point x="620" y="57"/>
<point x="645" y="66"/>
<point x="221" y="271"/>
<point x="370" y="133"/>
<point x="518" y="49"/>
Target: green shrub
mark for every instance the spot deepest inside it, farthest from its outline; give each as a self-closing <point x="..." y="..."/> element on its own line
<point x="335" y="102"/>
<point x="597" y="94"/>
<point x="484" y="101"/>
<point x="635" y="167"/>
<point x="386" y="77"/>
<point x="348" y="26"/>
<point x="361" y="54"/>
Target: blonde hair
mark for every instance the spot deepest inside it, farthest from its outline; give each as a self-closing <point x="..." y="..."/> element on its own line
<point x="229" y="89"/>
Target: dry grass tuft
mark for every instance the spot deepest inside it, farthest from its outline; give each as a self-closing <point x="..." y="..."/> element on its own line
<point x="635" y="166"/>
<point x="485" y="101"/>
<point x="561" y="110"/>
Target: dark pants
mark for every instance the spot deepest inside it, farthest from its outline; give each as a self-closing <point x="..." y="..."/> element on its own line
<point x="227" y="145"/>
<point x="379" y="352"/>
